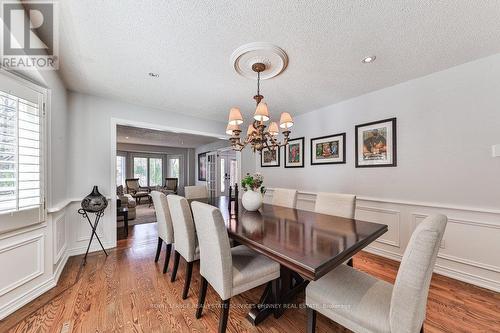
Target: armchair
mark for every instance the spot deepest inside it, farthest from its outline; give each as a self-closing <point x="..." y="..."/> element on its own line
<point x="136" y="190"/>
<point x="170" y="186"/>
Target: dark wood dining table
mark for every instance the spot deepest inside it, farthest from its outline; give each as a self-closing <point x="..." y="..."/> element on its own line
<point x="306" y="244"/>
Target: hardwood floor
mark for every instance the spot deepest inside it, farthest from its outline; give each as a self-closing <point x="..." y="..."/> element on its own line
<point x="127" y="292"/>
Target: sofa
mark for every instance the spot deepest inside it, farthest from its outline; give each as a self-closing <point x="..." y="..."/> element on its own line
<point x="126" y="200"/>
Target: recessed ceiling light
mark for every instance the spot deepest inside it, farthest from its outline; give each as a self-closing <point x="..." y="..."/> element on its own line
<point x="369" y="59"/>
<point x="126" y="137"/>
<point x="155" y="75"/>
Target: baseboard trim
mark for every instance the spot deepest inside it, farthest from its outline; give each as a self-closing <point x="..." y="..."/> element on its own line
<point x="94" y="248"/>
<point x="60" y="266"/>
<point x="27" y="297"/>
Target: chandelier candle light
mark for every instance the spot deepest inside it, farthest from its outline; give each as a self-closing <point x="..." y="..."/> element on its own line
<point x="259" y="135"/>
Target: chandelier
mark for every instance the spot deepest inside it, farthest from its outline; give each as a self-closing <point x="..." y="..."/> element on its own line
<point x="259" y="135"/>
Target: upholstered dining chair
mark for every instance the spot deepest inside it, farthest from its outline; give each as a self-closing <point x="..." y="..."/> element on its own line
<point x="284" y="197"/>
<point x="363" y="303"/>
<point x="195" y="192"/>
<point x="343" y="205"/>
<point x="186" y="243"/>
<point x="230" y="271"/>
<point x="163" y="225"/>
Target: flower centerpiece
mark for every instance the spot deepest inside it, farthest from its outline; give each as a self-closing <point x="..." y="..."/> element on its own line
<point x="254" y="191"/>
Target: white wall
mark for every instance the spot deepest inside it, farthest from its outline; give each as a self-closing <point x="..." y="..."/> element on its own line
<point x="446" y="123"/>
<point x="92" y="149"/>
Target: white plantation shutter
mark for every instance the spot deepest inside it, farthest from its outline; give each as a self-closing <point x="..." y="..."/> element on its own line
<point x="21" y="164"/>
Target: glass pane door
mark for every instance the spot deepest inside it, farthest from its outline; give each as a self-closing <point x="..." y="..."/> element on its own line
<point x="212" y="174"/>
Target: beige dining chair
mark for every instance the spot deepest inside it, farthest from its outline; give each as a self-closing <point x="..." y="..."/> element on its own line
<point x="336" y="204"/>
<point x="363" y="303"/>
<point x="195" y="192"/>
<point x="163" y="225"/>
<point x="284" y="197"/>
<point x="186" y="243"/>
<point x="230" y="271"/>
<point x="343" y="205"/>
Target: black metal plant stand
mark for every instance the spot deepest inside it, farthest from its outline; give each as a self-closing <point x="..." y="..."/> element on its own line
<point x="98" y="216"/>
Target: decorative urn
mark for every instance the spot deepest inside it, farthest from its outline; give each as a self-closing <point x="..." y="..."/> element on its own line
<point x="251" y="200"/>
<point x="95" y="201"/>
<point x="254" y="191"/>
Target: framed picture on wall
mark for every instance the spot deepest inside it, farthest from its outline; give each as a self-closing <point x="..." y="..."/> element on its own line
<point x="328" y="149"/>
<point x="376" y="144"/>
<point x="294" y="153"/>
<point x="202" y="167"/>
<point x="270" y="157"/>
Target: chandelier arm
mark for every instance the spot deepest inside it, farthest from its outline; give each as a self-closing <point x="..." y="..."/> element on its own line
<point x="272" y="139"/>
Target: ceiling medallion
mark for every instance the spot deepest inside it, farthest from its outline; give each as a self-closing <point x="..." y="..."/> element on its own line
<point x="270" y="55"/>
<point x="258" y="135"/>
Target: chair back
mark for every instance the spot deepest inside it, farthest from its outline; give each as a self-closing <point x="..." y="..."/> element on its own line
<point x="216" y="264"/>
<point x="409" y="296"/>
<point x="171" y="184"/>
<point x="184" y="229"/>
<point x="163" y="218"/>
<point x="195" y="192"/>
<point x="284" y="197"/>
<point x="336" y="204"/>
<point x="132" y="184"/>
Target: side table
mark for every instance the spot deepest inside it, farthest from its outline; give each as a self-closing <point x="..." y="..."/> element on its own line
<point x="123" y="211"/>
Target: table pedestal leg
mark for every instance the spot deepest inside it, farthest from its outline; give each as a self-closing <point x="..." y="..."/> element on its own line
<point x="274" y="299"/>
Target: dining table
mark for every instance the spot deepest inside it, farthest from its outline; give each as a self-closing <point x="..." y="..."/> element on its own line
<point x="306" y="244"/>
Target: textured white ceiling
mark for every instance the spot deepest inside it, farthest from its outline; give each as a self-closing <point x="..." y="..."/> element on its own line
<point x="144" y="136"/>
<point x="108" y="47"/>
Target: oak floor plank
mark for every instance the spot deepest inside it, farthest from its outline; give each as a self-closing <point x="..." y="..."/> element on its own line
<point x="127" y="292"/>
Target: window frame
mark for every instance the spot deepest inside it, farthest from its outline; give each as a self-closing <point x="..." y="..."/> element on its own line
<point x="45" y="149"/>
<point x="124" y="156"/>
<point x="162" y="180"/>
<point x="148" y="156"/>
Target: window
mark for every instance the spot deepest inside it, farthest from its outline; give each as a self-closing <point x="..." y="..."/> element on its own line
<point x="155" y="172"/>
<point x="141" y="170"/>
<point x="173" y="168"/>
<point x="120" y="170"/>
<point x="21" y="167"/>
<point x="149" y="170"/>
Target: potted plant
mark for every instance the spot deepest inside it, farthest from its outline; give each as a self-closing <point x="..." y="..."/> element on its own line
<point x="254" y="191"/>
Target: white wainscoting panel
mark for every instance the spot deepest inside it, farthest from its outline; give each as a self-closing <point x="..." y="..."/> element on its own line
<point x="383" y="216"/>
<point x="60" y="233"/>
<point x="23" y="260"/>
<point x="471" y="244"/>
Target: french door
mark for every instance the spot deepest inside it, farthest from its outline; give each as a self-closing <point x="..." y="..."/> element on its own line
<point x="228" y="171"/>
<point x="212" y="174"/>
